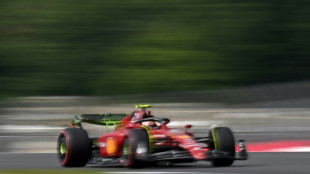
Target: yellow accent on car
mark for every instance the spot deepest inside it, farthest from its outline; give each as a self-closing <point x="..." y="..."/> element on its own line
<point x="151" y="138"/>
<point x="143" y="106"/>
<point x="216" y="143"/>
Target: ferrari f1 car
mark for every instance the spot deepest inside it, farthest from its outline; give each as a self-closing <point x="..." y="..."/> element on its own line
<point x="139" y="138"/>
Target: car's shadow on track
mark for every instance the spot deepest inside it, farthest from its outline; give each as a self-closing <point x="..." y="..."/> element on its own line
<point x="175" y="166"/>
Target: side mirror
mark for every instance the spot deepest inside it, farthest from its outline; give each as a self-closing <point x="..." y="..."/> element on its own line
<point x="187" y="126"/>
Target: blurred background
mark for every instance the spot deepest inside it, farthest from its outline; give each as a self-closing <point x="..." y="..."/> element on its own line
<point x="244" y="64"/>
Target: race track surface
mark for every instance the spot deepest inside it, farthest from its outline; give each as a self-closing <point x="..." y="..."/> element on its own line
<point x="262" y="163"/>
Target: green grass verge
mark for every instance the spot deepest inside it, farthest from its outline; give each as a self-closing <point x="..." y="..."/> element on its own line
<point x="48" y="171"/>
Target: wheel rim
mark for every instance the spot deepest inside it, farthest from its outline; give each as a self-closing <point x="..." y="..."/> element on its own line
<point x="125" y="150"/>
<point x="63" y="148"/>
<point x="141" y="149"/>
<point x="126" y="154"/>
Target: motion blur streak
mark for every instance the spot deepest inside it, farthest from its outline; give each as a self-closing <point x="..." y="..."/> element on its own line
<point x="35" y="122"/>
<point x="66" y="47"/>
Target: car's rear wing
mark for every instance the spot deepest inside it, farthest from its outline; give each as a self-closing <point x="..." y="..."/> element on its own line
<point x="99" y="119"/>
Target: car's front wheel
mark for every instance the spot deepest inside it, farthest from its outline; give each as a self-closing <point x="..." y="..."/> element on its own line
<point x="223" y="141"/>
<point x="136" y="148"/>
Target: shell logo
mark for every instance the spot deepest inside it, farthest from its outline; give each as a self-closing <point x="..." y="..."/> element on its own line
<point x="111" y="145"/>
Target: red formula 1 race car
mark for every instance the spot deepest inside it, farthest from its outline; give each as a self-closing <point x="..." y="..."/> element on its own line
<point x="140" y="138"/>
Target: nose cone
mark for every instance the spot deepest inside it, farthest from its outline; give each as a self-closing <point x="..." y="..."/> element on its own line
<point x="189" y="144"/>
<point x="199" y="154"/>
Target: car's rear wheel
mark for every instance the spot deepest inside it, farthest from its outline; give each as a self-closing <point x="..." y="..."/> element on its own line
<point x="73" y="147"/>
<point x="223" y="141"/>
<point x="136" y="148"/>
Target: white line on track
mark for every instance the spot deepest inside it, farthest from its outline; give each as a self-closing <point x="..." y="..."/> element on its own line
<point x="291" y="149"/>
<point x="28" y="128"/>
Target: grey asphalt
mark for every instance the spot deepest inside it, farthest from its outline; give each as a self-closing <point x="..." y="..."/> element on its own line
<point x="263" y="163"/>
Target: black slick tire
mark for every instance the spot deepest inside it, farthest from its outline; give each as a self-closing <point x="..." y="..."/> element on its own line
<point x="73" y="148"/>
<point x="223" y="141"/>
<point x="138" y="146"/>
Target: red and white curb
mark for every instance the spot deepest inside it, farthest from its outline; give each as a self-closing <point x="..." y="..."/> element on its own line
<point x="280" y="146"/>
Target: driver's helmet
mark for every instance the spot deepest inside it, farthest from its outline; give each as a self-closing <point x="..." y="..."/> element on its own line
<point x="151" y="124"/>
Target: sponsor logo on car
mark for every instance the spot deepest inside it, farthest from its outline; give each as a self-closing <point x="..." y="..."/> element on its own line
<point x="111" y="145"/>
